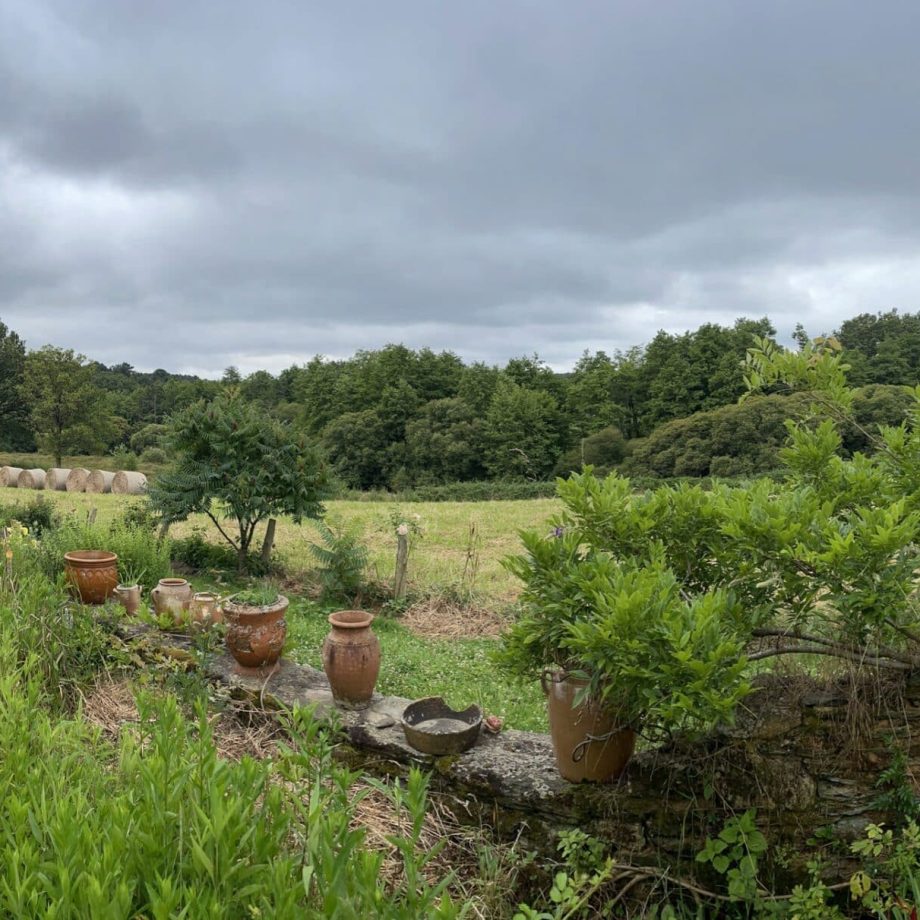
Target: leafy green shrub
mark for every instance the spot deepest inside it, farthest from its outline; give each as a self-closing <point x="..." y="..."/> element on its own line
<point x="154" y="456"/>
<point x="460" y="492"/>
<point x="124" y="459"/>
<point x="341" y="558"/>
<point x="676" y="662"/>
<point x="201" y="555"/>
<point x="38" y="514"/>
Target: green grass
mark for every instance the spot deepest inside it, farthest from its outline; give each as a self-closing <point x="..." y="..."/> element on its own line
<point x="451" y="532"/>
<point x="460" y="670"/>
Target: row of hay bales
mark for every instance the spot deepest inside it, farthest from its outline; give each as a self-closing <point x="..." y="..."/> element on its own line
<point x="124" y="482"/>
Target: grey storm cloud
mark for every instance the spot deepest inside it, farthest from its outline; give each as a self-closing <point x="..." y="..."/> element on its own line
<point x="190" y="185"/>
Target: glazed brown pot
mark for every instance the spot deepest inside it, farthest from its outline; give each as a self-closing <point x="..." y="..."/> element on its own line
<point x="204" y="610"/>
<point x="351" y="658"/>
<point x="587" y="743"/>
<point x="130" y="597"/>
<point x="255" y="635"/>
<point x="93" y="574"/>
<point x="172" y="595"/>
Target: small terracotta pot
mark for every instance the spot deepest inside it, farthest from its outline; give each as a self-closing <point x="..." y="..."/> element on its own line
<point x="587" y="742"/>
<point x="351" y="658"/>
<point x="130" y="597"/>
<point x="93" y="573"/>
<point x="204" y="610"/>
<point x="255" y="635"/>
<point x="172" y="595"/>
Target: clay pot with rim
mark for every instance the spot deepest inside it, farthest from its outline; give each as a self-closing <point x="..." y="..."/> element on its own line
<point x="172" y="595"/>
<point x="351" y="658"/>
<point x="587" y="741"/>
<point x="255" y="635"/>
<point x="204" y="610"/>
<point x="93" y="573"/>
<point x="130" y="597"/>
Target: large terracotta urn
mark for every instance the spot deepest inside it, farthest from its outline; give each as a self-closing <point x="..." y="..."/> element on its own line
<point x="351" y="658"/>
<point x="172" y="595"/>
<point x="588" y="744"/>
<point x="93" y="573"/>
<point x="255" y="635"/>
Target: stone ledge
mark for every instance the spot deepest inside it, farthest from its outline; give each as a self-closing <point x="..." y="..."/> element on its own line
<point x="789" y="756"/>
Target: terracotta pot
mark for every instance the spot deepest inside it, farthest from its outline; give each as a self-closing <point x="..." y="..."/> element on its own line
<point x="351" y="658"/>
<point x="587" y="742"/>
<point x="130" y="597"/>
<point x="172" y="595"/>
<point x="93" y="574"/>
<point x="255" y="635"/>
<point x="204" y="610"/>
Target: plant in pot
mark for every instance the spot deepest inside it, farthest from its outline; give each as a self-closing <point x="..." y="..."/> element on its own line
<point x="256" y="628"/>
<point x="620" y="649"/>
<point x="128" y="590"/>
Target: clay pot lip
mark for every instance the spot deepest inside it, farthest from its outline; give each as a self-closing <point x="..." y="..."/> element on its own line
<point x="121" y="587"/>
<point x="245" y="610"/>
<point x="172" y="582"/>
<point x="351" y="619"/>
<point x="90" y="558"/>
<point x="202" y="595"/>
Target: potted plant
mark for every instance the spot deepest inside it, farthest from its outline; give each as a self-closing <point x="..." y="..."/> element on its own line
<point x="256" y="628"/>
<point x="619" y="649"/>
<point x="128" y="589"/>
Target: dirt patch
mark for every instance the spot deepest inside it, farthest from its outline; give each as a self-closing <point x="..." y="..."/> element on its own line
<point x="437" y="618"/>
<point x="237" y="732"/>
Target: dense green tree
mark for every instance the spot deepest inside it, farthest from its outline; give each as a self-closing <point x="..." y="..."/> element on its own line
<point x="69" y="413"/>
<point x="523" y="433"/>
<point x="15" y="432"/>
<point x="357" y="444"/>
<point x="589" y="403"/>
<point x="235" y="462"/>
<point x="444" y="443"/>
<point x="477" y="386"/>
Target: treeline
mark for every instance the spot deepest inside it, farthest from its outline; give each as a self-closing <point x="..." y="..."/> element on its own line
<point x="397" y="418"/>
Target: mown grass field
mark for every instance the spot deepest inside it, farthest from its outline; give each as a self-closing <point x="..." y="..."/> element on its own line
<point x="457" y="552"/>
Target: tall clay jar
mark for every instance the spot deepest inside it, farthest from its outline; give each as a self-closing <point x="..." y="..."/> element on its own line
<point x="351" y="658"/>
<point x="589" y="745"/>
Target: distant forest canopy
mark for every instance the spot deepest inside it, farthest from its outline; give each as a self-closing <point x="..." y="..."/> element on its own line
<point x="397" y="418"/>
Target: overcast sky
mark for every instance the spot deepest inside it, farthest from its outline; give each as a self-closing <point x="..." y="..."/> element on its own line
<point x="190" y="185"/>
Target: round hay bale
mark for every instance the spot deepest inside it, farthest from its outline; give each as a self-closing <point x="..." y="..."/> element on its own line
<point x="127" y="482"/>
<point x="76" y="480"/>
<point x="99" y="481"/>
<point x="31" y="479"/>
<point x="9" y="476"/>
<point x="56" y="479"/>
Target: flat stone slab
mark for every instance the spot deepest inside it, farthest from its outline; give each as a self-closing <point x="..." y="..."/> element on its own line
<point x="515" y="766"/>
